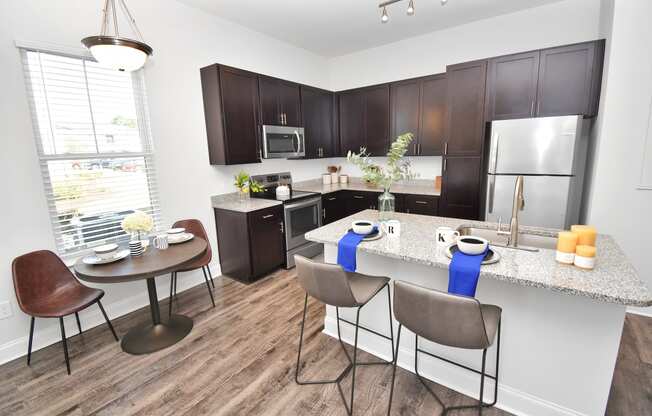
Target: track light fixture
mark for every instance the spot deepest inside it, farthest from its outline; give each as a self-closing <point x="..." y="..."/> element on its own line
<point x="410" y="9"/>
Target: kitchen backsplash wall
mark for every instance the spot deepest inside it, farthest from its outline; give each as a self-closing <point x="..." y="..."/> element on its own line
<point x="427" y="167"/>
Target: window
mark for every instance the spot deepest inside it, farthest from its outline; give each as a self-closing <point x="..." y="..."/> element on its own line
<point x="94" y="145"/>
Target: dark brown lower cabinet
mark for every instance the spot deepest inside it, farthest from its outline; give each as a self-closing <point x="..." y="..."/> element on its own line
<point x="461" y="187"/>
<point x="334" y="206"/>
<point x="250" y="244"/>
<point x="422" y="204"/>
<point x="361" y="200"/>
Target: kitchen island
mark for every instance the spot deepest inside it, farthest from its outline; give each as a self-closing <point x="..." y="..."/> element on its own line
<point x="561" y="326"/>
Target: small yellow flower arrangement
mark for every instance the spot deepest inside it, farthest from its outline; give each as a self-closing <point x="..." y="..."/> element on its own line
<point x="137" y="222"/>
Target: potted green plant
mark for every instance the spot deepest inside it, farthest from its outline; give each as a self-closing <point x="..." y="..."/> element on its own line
<point x="397" y="168"/>
<point x="245" y="185"/>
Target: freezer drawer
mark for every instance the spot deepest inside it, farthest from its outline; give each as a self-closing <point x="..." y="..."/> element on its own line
<point x="538" y="146"/>
<point x="546" y="200"/>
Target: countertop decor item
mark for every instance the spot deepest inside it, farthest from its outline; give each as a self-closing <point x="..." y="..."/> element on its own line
<point x="246" y="185"/>
<point x="566" y="243"/>
<point x="586" y="234"/>
<point x="344" y="179"/>
<point x="585" y="257"/>
<point x="471" y="245"/>
<point x="362" y="227"/>
<point x="397" y="168"/>
<point x="326" y="178"/>
<point x="115" y="51"/>
<point x="137" y="223"/>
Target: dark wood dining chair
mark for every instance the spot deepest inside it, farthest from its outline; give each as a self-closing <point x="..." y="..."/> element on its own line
<point x="46" y="288"/>
<point x="197" y="228"/>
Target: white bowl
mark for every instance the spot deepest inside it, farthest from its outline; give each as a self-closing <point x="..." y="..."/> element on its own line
<point x="362" y="227"/>
<point x="175" y="232"/>
<point x="106" y="251"/>
<point x="471" y="245"/>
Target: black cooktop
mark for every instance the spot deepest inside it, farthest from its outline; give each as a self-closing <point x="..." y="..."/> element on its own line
<point x="270" y="193"/>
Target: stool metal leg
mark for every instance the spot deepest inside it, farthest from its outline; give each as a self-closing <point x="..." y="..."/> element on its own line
<point x="391" y="389"/>
<point x="208" y="286"/>
<point x="108" y="321"/>
<point x="31" y="337"/>
<point x="65" y="344"/>
<point x="78" y="322"/>
<point x="171" y="293"/>
<point x="210" y="275"/>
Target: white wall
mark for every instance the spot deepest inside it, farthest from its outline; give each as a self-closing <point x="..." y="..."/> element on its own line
<point x="184" y="39"/>
<point x="617" y="207"/>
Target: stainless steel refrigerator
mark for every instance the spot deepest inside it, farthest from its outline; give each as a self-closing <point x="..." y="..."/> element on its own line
<point x="550" y="153"/>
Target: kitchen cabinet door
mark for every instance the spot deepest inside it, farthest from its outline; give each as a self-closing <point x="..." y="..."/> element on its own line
<point x="351" y="117"/>
<point x="422" y="204"/>
<point x="512" y="86"/>
<point x="361" y="200"/>
<point x="317" y="113"/>
<point x="399" y="202"/>
<point x="569" y="79"/>
<point x="376" y="119"/>
<point x="432" y="127"/>
<point x="266" y="237"/>
<point x="290" y="103"/>
<point x="465" y="108"/>
<point x="231" y="107"/>
<point x="269" y="101"/>
<point x="404" y="99"/>
<point x="461" y="188"/>
<point x="334" y="206"/>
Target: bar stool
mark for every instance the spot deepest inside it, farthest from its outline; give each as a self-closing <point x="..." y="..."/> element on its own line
<point x="446" y="319"/>
<point x="330" y="284"/>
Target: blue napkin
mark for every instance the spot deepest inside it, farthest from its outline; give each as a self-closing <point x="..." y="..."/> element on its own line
<point x="346" y="249"/>
<point x="463" y="273"/>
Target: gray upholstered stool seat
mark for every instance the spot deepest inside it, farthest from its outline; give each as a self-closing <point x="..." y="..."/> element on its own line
<point x="330" y="284"/>
<point x="447" y="319"/>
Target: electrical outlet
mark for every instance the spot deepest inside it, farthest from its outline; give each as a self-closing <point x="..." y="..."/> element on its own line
<point x="5" y="310"/>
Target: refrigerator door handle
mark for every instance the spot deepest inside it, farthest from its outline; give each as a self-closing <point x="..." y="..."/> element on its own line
<point x="494" y="154"/>
<point x="492" y="190"/>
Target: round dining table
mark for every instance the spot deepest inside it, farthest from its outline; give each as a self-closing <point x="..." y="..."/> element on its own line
<point x="148" y="337"/>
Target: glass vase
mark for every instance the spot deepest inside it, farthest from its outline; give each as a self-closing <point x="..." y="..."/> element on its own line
<point x="243" y="195"/>
<point x="386" y="204"/>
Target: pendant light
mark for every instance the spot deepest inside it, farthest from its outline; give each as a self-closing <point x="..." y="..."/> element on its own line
<point x="410" y="9"/>
<point x="385" y="17"/>
<point x="112" y="50"/>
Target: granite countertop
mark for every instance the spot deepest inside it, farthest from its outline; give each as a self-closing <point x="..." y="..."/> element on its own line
<point x="417" y="186"/>
<point x="232" y="202"/>
<point x="613" y="280"/>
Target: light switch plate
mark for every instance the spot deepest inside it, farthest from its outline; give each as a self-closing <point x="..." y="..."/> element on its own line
<point x="5" y="310"/>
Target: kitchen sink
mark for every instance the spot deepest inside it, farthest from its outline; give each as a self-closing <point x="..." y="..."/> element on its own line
<point x="526" y="241"/>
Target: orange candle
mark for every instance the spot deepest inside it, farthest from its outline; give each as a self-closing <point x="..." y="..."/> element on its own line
<point x="585" y="257"/>
<point x="566" y="244"/>
<point x="586" y="234"/>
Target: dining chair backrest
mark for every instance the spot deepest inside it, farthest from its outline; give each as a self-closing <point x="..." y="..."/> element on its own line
<point x="440" y="317"/>
<point x="327" y="283"/>
<point x="197" y="228"/>
<point x="38" y="275"/>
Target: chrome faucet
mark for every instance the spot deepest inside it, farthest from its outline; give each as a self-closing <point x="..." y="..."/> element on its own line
<point x="517" y="205"/>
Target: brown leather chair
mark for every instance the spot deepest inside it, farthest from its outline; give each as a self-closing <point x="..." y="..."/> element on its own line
<point x="451" y="320"/>
<point x="330" y="284"/>
<point x="195" y="227"/>
<point x="46" y="288"/>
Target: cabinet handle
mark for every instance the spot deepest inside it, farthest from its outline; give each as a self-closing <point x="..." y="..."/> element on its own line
<point x="282" y="227"/>
<point x="268" y="216"/>
<point x="444" y="169"/>
<point x="358" y="197"/>
<point x="445" y="148"/>
<point x="538" y="105"/>
<point x="421" y="202"/>
<point x="323" y="213"/>
<point x="332" y="199"/>
<point x="260" y="154"/>
<point x="532" y="108"/>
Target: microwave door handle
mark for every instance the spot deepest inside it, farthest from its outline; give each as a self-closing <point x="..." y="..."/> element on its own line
<point x="296" y="133"/>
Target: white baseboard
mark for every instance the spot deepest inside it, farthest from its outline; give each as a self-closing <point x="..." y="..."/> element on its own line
<point x="90" y="318"/>
<point x="640" y="311"/>
<point x="509" y="399"/>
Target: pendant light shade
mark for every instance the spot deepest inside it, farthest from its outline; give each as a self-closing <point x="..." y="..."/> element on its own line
<point x="117" y="52"/>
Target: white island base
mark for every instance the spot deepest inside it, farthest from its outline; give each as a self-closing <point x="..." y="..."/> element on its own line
<point x="558" y="351"/>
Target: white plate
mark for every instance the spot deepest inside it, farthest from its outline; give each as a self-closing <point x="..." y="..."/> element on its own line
<point x="93" y="259"/>
<point x="182" y="239"/>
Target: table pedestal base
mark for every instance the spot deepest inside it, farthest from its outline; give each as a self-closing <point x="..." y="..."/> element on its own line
<point x="148" y="338"/>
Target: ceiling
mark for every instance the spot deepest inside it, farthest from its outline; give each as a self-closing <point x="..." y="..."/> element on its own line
<point x="337" y="27"/>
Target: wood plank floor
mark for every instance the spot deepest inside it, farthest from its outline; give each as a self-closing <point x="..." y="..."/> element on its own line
<point x="239" y="360"/>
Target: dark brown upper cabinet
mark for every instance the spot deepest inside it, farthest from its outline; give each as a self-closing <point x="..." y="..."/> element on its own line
<point x="569" y="79"/>
<point x="461" y="187"/>
<point x="405" y="100"/>
<point x="512" y="86"/>
<point x="364" y="120"/>
<point x="432" y="127"/>
<point x="418" y="106"/>
<point x="231" y="109"/>
<point x="317" y="113"/>
<point x="280" y="102"/>
<point x="465" y="108"/>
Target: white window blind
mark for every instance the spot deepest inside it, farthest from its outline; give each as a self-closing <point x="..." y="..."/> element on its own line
<point x="94" y="144"/>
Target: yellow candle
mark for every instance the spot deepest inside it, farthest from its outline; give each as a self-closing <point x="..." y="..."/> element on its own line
<point x="585" y="251"/>
<point x="567" y="242"/>
<point x="585" y="234"/>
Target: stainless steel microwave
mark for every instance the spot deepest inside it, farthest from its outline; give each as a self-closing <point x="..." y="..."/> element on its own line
<point x="283" y="142"/>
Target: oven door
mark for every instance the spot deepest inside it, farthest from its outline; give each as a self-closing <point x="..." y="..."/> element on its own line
<point x="301" y="217"/>
<point x="283" y="142"/>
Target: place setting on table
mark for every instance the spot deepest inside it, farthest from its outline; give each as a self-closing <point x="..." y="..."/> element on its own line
<point x="144" y="259"/>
